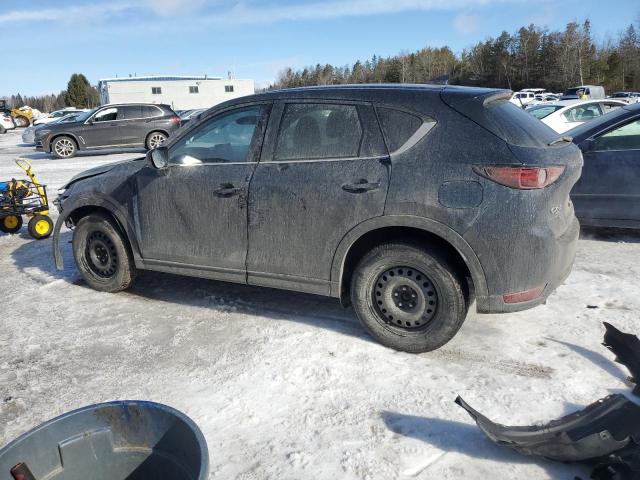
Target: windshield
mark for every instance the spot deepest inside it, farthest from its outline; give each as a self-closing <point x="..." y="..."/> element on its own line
<point x="81" y="117"/>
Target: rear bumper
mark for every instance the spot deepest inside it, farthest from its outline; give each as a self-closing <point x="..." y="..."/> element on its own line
<point x="557" y="256"/>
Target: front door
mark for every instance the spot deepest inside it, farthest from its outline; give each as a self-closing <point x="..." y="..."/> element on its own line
<point x="192" y="215"/>
<point x="103" y="129"/>
<point x="608" y="187"/>
<point x="323" y="171"/>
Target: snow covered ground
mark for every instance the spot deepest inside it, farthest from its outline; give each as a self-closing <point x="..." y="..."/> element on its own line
<point x="287" y="385"/>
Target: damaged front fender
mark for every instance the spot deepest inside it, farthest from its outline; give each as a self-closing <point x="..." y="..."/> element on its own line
<point x="606" y="426"/>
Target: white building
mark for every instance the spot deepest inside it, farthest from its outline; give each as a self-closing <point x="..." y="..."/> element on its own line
<point x="180" y="92"/>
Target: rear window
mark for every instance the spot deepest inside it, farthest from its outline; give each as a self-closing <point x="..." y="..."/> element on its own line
<point x="543" y="111"/>
<point x="397" y="126"/>
<point x="129" y="112"/>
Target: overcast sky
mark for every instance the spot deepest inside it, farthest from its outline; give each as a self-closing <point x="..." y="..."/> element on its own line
<point x="51" y="39"/>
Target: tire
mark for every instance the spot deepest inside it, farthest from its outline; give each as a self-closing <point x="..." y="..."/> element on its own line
<point x="40" y="227"/>
<point x="21" y="121"/>
<point x="64" y="147"/>
<point x="407" y="298"/>
<point x="10" y="223"/>
<point x="102" y="254"/>
<point x="155" y="139"/>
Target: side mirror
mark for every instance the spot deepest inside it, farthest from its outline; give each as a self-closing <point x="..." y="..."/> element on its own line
<point x="587" y="145"/>
<point x="158" y="157"/>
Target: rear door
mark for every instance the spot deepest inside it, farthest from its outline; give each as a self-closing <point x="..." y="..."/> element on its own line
<point x="103" y="129"/>
<point x="324" y="169"/>
<point x="608" y="188"/>
<point x="132" y="125"/>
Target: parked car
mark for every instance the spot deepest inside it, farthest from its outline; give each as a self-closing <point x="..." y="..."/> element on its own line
<point x="29" y="133"/>
<point x="567" y="114"/>
<point x="608" y="192"/>
<point x="522" y="98"/>
<point x="191" y="115"/>
<point x="6" y="122"/>
<point x="53" y="116"/>
<point x="408" y="202"/>
<point x="627" y="97"/>
<point x="110" y="126"/>
<point x="593" y="92"/>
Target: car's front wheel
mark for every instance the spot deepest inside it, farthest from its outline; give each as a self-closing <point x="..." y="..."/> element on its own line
<point x="155" y="139"/>
<point x="407" y="297"/>
<point x="102" y="254"/>
<point x="64" y="147"/>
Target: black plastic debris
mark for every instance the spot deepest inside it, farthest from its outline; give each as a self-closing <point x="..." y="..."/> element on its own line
<point x="626" y="348"/>
<point x="604" y="427"/>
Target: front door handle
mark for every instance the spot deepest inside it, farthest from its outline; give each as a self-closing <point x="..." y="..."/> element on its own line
<point x="227" y="190"/>
<point x="360" y="186"/>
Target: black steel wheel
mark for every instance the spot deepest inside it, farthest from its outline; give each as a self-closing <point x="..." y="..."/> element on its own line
<point x="102" y="254"/>
<point x="405" y="298"/>
<point x="408" y="297"/>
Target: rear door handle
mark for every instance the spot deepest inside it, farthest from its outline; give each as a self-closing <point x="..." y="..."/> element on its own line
<point x="360" y="186"/>
<point x="227" y="190"/>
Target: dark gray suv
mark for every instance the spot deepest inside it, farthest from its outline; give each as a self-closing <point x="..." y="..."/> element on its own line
<point x="110" y="126"/>
<point x="409" y="202"/>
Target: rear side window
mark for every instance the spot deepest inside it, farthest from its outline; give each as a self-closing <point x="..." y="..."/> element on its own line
<point x="543" y="112"/>
<point x="397" y="126"/>
<point x="150" y="111"/>
<point x="317" y="131"/>
<point x="130" y="112"/>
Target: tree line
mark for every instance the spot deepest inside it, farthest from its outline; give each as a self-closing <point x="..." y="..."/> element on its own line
<point x="79" y="94"/>
<point x="531" y="57"/>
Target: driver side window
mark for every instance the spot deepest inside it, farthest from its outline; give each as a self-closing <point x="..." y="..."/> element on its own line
<point x="225" y="138"/>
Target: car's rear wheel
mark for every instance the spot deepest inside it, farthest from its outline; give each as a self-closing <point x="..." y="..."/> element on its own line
<point x="64" y="147"/>
<point x="102" y="254"/>
<point x="10" y="223"/>
<point x="155" y="139"/>
<point x="408" y="298"/>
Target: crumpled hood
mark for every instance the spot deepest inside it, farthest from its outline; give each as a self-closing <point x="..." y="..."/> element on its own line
<point x="93" y="172"/>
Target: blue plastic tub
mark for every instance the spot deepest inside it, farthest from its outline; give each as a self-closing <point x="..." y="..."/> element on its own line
<point x="127" y="439"/>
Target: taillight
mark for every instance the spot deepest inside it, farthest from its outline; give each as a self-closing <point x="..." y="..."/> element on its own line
<point x="175" y="120"/>
<point x="522" y="178"/>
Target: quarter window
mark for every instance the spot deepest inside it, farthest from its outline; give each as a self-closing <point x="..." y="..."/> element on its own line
<point x="225" y="138"/>
<point x="106" y="115"/>
<point x="397" y="126"/>
<point x="193" y="89"/>
<point x="317" y="131"/>
<point x="626" y="137"/>
<point x="156" y="90"/>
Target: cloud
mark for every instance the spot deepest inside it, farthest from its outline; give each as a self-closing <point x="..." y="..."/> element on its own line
<point x="248" y="13"/>
<point x="167" y="8"/>
<point x="67" y="14"/>
<point x="466" y="24"/>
